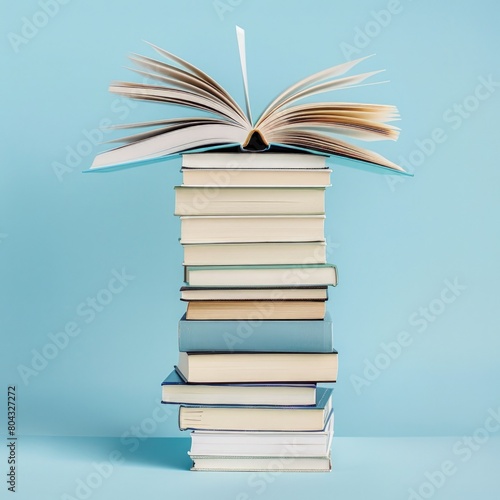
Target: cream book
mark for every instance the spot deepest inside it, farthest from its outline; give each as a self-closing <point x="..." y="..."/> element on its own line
<point x="218" y="177"/>
<point x="259" y="418"/>
<point x="251" y="228"/>
<point x="262" y="200"/>
<point x="242" y="367"/>
<point x="227" y="254"/>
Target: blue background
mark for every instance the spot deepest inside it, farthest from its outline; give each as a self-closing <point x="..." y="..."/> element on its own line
<point x="395" y="240"/>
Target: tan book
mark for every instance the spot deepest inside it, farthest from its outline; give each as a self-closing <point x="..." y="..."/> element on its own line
<point x="247" y="309"/>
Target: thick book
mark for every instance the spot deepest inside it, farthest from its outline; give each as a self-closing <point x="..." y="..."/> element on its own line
<point x="285" y="122"/>
<point x="260" y="335"/>
<point x="248" y="310"/>
<point x="264" y="200"/>
<point x="237" y="254"/>
<point x="261" y="464"/>
<point x="265" y="367"/>
<point x="220" y="177"/>
<point x="259" y="418"/>
<point x="252" y="228"/>
<point x="192" y="293"/>
<point x="276" y="275"/>
<point x="262" y="444"/>
<point x="176" y="391"/>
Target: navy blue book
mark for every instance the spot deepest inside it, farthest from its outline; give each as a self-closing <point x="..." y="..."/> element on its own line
<point x="259" y="418"/>
<point x="256" y="336"/>
<point x="175" y="390"/>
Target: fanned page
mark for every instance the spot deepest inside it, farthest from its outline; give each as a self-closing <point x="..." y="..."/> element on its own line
<point x="316" y="127"/>
<point x="178" y="140"/>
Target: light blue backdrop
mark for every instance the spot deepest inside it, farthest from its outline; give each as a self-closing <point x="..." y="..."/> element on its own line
<point x="398" y="242"/>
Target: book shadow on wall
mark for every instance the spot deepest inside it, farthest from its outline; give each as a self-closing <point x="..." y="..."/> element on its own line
<point x="166" y="453"/>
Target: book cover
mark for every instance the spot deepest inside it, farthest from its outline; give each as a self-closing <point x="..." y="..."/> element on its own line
<point x="175" y="390"/>
<point x="259" y="418"/>
<point x="256" y="336"/>
<point x="267" y="275"/>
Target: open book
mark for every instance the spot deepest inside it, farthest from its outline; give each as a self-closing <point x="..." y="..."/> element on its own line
<point x="312" y="127"/>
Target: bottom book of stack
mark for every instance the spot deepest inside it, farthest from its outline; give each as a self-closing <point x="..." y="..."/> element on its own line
<point x="262" y="451"/>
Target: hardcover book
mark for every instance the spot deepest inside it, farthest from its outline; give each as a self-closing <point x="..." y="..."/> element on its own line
<point x="175" y="390"/>
<point x="263" y="200"/>
<point x="192" y="293"/>
<point x="265" y="367"/>
<point x="276" y="275"/>
<point x="264" y="464"/>
<point x="256" y="177"/>
<point x="248" y="310"/>
<point x="240" y="254"/>
<point x="259" y="418"/>
<point x="260" y="336"/>
<point x="291" y="160"/>
<point x="252" y="228"/>
<point x="262" y="444"/>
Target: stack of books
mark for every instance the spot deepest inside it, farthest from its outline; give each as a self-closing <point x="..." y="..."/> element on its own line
<point x="256" y="338"/>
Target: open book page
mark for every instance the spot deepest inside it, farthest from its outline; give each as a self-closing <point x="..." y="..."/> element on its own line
<point x="313" y="127"/>
<point x="178" y="140"/>
<point x="217" y="90"/>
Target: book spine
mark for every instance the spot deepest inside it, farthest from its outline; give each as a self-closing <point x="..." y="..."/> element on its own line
<point x="256" y="336"/>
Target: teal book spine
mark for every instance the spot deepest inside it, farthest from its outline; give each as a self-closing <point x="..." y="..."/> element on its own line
<point x="256" y="336"/>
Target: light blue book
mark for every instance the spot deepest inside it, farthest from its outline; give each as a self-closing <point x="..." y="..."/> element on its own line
<point x="256" y="336"/>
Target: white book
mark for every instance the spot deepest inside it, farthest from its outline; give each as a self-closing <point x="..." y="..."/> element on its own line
<point x="264" y="464"/>
<point x="262" y="444"/>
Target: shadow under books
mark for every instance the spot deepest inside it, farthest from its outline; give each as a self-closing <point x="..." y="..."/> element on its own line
<point x="168" y="453"/>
